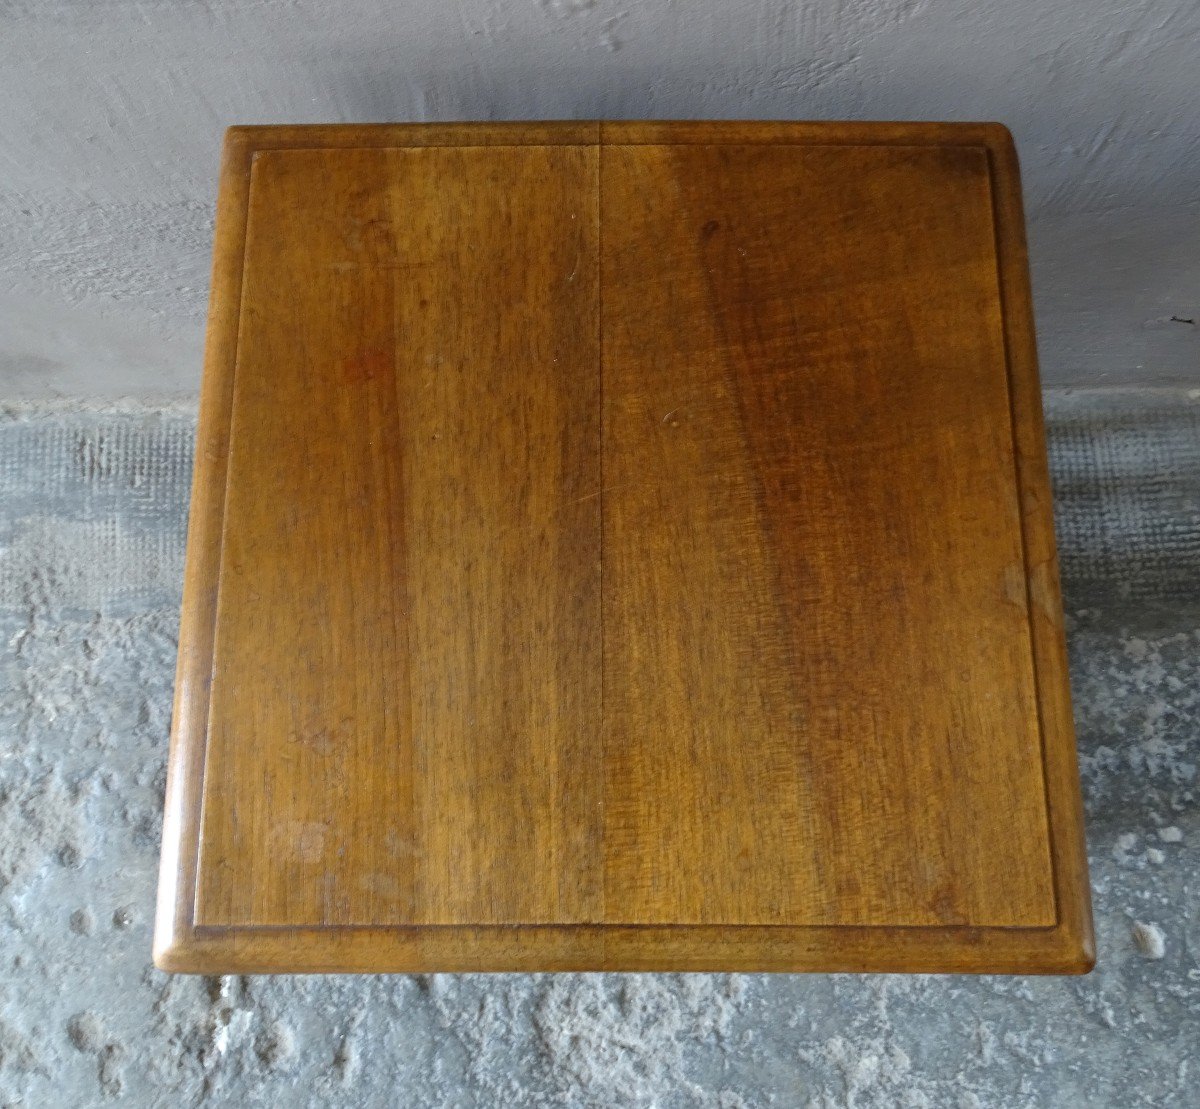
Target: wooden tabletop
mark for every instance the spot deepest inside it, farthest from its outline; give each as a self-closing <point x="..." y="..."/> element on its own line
<point x="622" y="546"/>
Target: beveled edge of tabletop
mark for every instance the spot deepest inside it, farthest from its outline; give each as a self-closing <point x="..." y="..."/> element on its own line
<point x="180" y="946"/>
<point x="260" y="137"/>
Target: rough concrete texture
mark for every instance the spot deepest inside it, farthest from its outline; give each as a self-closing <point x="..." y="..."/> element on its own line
<point x="91" y="538"/>
<point x="113" y="114"/>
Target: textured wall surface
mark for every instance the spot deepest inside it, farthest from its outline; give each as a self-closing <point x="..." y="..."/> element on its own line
<point x="91" y="537"/>
<point x="113" y="112"/>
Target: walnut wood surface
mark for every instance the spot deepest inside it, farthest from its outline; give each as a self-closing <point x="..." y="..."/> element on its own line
<point x="621" y="546"/>
<point x="815" y="619"/>
<point x="408" y="617"/>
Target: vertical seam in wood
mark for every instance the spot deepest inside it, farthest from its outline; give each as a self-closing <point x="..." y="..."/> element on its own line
<point x="601" y="859"/>
<point x="406" y="718"/>
<point x="1001" y="272"/>
<point x="216" y="598"/>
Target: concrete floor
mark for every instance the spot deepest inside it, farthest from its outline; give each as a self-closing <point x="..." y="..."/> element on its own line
<point x="92" y="510"/>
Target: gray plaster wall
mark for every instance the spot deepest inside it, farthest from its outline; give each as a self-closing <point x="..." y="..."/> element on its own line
<point x="111" y="115"/>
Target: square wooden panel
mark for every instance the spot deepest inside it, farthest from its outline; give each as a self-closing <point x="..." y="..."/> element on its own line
<point x="622" y="546"/>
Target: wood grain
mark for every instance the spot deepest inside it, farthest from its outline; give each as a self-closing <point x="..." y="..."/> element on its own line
<point x="622" y="546"/>
<point x="407" y="647"/>
<point x="815" y="623"/>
